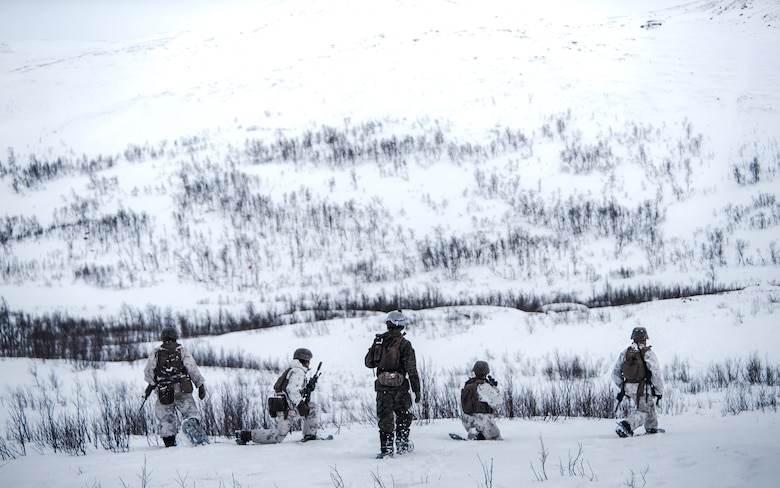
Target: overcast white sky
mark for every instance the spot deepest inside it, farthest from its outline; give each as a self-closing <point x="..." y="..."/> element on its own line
<point x="116" y="20"/>
<point x="109" y="20"/>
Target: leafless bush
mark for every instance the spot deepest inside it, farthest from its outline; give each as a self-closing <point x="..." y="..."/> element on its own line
<point x="632" y="481"/>
<point x="541" y="475"/>
<point x="118" y="418"/>
<point x="487" y="471"/>
<point x="570" y="367"/>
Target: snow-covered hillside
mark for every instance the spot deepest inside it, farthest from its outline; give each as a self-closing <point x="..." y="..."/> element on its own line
<point x="446" y="145"/>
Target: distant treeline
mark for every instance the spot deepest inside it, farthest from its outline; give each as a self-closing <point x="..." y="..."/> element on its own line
<point x="58" y="335"/>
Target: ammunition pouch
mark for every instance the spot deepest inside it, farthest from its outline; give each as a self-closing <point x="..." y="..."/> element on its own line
<point x="390" y="378"/>
<point x="166" y="390"/>
<point x="277" y="404"/>
<point x="165" y="394"/>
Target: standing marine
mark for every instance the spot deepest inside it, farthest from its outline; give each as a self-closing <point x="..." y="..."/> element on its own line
<point x="172" y="371"/>
<point x="639" y="376"/>
<point x="396" y="373"/>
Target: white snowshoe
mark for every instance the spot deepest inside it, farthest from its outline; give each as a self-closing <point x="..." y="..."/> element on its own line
<point x="312" y="437"/>
<point x="194" y="432"/>
<point x="404" y="447"/>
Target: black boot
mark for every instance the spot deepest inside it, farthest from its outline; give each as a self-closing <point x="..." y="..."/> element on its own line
<point x="623" y="429"/>
<point x="243" y="436"/>
<point x="385" y="445"/>
<point x="169" y="441"/>
<point x="402" y="442"/>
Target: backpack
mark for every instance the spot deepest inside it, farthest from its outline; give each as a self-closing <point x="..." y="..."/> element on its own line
<point x="634" y="368"/>
<point x="386" y="352"/>
<point x="170" y="365"/>
<point x="170" y="373"/>
<point x="281" y="383"/>
<point x="469" y="398"/>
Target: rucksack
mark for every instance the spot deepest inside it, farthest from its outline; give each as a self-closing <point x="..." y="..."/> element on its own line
<point x="170" y="373"/>
<point x="170" y="365"/>
<point x="281" y="383"/>
<point x="469" y="398"/>
<point x="386" y="352"/>
<point x="634" y="367"/>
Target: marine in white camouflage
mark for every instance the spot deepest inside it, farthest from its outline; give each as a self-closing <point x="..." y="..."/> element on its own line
<point x="174" y="386"/>
<point x="480" y="398"/>
<point x="297" y="407"/>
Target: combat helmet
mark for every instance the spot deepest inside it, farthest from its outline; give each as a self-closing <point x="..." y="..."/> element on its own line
<point x="395" y="319"/>
<point x="169" y="334"/>
<point x="639" y="335"/>
<point x="302" y="354"/>
<point x="481" y="369"/>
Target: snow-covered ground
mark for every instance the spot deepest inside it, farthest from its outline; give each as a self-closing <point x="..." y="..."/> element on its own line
<point x="698" y="451"/>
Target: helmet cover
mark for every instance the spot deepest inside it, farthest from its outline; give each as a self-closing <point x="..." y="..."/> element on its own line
<point x="302" y="354"/>
<point x="639" y="334"/>
<point x="395" y="319"/>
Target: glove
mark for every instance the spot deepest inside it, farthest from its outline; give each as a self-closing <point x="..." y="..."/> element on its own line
<point x="303" y="409"/>
<point x="416" y="397"/>
<point x="658" y="399"/>
<point x="202" y="392"/>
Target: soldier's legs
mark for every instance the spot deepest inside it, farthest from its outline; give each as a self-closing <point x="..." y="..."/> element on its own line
<point x="186" y="405"/>
<point x="490" y="429"/>
<point x="312" y="421"/>
<point x="385" y="411"/>
<point x="168" y="421"/>
<point x="646" y="406"/>
<point x="644" y="414"/>
<point x="276" y="434"/>
<point x="385" y="421"/>
<point x="469" y="423"/>
<point x="481" y="423"/>
<point x="402" y="402"/>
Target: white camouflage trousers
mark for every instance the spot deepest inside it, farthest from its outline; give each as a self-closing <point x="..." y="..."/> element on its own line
<point x="481" y="423"/>
<point x="167" y="417"/>
<point x="276" y="435"/>
<point x="644" y="414"/>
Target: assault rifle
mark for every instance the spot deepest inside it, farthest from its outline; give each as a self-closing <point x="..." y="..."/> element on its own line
<point x="620" y="396"/>
<point x="492" y="381"/>
<point x="311" y="384"/>
<point x="149" y="390"/>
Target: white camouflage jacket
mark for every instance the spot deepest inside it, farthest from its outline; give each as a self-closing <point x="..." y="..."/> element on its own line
<point x="296" y="380"/>
<point x="187" y="359"/>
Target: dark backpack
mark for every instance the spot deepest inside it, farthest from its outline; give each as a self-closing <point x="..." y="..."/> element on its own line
<point x="170" y="372"/>
<point x="634" y="366"/>
<point x="281" y="383"/>
<point x="469" y="398"/>
<point x="385" y="353"/>
<point x="170" y="365"/>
